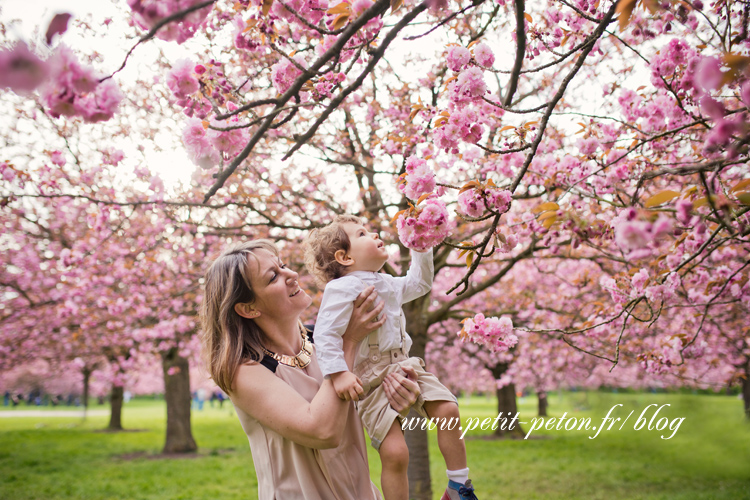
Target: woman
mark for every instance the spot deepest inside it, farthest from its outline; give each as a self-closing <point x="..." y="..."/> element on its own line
<point x="306" y="442"/>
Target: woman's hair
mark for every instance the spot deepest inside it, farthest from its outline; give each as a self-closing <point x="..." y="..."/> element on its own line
<point x="228" y="339"/>
<point x="321" y="246"/>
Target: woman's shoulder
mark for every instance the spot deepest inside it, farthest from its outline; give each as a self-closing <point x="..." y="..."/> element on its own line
<point x="253" y="373"/>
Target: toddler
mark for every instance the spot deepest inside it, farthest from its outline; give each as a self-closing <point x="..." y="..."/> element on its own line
<point x="345" y="257"/>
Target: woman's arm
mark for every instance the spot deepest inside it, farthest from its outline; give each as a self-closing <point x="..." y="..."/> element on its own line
<point x="318" y="423"/>
<point x="277" y="406"/>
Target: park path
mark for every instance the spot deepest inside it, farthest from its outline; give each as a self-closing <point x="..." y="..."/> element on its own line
<point x="52" y="413"/>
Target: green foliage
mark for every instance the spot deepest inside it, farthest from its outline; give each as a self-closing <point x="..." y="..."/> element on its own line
<point x="63" y="458"/>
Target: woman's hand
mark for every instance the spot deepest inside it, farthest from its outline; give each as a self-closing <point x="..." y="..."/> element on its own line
<point x="402" y="392"/>
<point x="364" y="319"/>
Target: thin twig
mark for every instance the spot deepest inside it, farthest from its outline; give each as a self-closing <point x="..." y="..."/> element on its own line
<point x="152" y="32"/>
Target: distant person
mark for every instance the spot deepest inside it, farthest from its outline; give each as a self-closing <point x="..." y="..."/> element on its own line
<point x="200" y="397"/>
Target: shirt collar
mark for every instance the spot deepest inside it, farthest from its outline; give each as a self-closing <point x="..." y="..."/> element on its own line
<point x="364" y="274"/>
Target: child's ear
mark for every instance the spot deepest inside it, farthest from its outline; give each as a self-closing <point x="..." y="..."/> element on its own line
<point x="343" y="258"/>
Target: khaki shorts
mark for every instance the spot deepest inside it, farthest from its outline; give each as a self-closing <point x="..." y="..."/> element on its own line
<point x="375" y="410"/>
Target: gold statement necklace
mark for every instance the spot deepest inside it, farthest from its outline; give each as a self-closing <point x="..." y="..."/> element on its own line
<point x="300" y="360"/>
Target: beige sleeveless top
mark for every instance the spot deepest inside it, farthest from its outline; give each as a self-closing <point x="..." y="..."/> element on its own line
<point x="289" y="471"/>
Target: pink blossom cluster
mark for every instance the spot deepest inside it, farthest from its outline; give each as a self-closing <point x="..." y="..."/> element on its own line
<point x="670" y="65"/>
<point x="328" y="41"/>
<point x="181" y="79"/>
<point x="229" y="142"/>
<point x="462" y="125"/>
<point x="425" y="226"/>
<point x="75" y="90"/>
<point x="111" y="156"/>
<point x="637" y="236"/>
<point x="148" y="13"/>
<point x="458" y="57"/>
<point x="198" y="145"/>
<point x="58" y="158"/>
<point x="666" y="291"/>
<point x="243" y="39"/>
<point x="324" y="85"/>
<point x="371" y="29"/>
<point x="310" y="10"/>
<point x="670" y="353"/>
<point x="494" y="333"/>
<point x="616" y="292"/>
<point x="471" y="203"/>
<point x="483" y="55"/>
<point x="505" y="242"/>
<point x="21" y="70"/>
<point x="420" y="179"/>
<point x="283" y="73"/>
<point x="9" y="173"/>
<point x="214" y="76"/>
<point x="475" y="202"/>
<point x="469" y="85"/>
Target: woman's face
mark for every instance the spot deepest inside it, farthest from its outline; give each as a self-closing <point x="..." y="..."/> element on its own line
<point x="277" y="292"/>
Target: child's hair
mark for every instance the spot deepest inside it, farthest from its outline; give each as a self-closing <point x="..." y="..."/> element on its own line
<point x="321" y="246"/>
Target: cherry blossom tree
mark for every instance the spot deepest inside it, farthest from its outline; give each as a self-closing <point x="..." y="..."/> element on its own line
<point x="598" y="146"/>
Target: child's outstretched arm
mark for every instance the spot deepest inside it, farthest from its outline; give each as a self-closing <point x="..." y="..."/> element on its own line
<point x="418" y="279"/>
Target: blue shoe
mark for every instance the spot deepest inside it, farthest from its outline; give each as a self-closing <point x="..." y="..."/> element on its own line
<point x="458" y="491"/>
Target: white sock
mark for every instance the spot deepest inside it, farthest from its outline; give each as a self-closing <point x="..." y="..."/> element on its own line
<point x="460" y="476"/>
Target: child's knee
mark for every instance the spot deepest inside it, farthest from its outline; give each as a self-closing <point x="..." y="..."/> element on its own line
<point x="394" y="454"/>
<point x="442" y="409"/>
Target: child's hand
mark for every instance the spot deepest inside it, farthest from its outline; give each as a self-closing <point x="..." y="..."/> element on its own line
<point x="347" y="386"/>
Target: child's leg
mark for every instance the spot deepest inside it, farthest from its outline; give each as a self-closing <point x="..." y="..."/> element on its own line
<point x="394" y="458"/>
<point x="451" y="445"/>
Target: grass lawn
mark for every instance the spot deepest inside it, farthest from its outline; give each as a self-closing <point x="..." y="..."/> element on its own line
<point x="708" y="457"/>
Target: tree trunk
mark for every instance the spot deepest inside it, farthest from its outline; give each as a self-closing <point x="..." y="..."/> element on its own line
<point x="420" y="485"/>
<point x="115" y="403"/>
<point x="85" y="398"/>
<point x="177" y="395"/>
<point x="542" y="396"/>
<point x="746" y="390"/>
<point x="506" y="405"/>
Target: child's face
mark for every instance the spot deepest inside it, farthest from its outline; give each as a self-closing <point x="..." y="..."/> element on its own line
<point x="367" y="250"/>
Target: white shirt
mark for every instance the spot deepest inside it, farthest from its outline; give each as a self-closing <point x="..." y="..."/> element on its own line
<point x="338" y="303"/>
